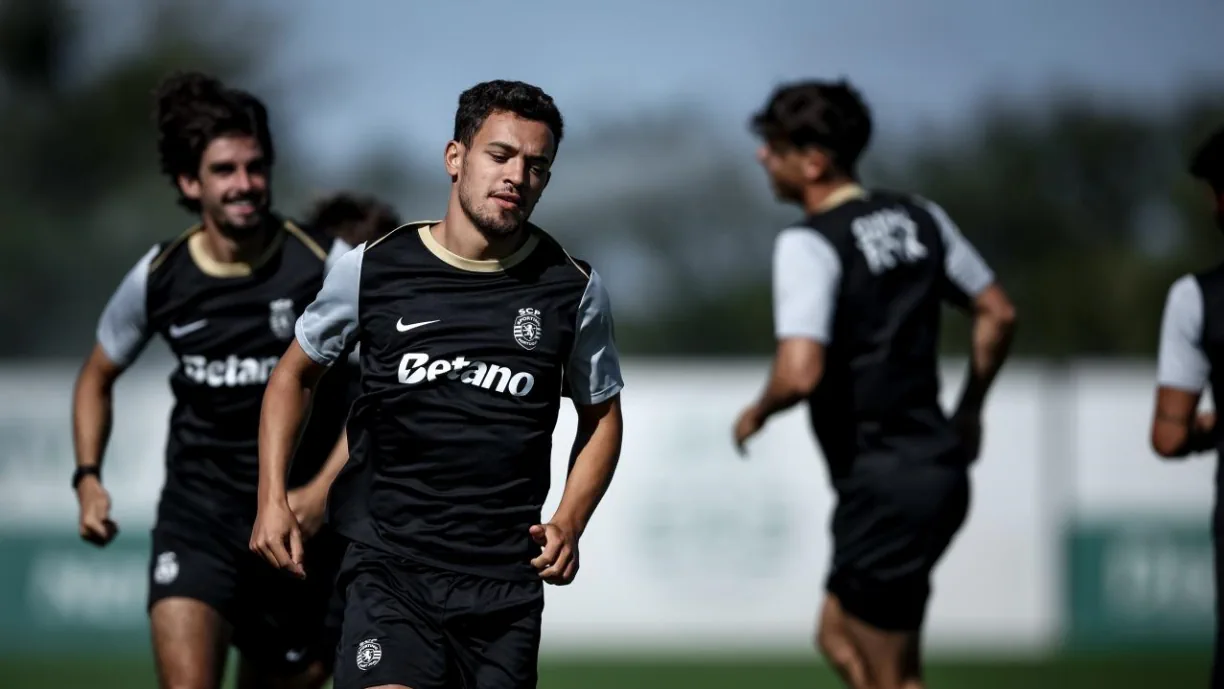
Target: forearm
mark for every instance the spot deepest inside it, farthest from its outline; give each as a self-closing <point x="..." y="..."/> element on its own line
<point x="285" y="404"/>
<point x="335" y="462"/>
<point x="595" y="457"/>
<point x="91" y="419"/>
<point x="991" y="343"/>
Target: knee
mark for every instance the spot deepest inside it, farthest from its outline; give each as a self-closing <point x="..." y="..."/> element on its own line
<point x="835" y="646"/>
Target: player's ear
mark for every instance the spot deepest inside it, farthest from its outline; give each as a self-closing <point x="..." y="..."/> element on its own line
<point x="190" y="186"/>
<point x="453" y="157"/>
<point x="815" y="164"/>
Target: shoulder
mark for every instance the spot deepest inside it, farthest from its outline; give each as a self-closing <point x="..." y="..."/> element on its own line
<point x="315" y="242"/>
<point x="553" y="255"/>
<point x="802" y="244"/>
<point x="166" y="251"/>
<point x="397" y="237"/>
<point x="1187" y="290"/>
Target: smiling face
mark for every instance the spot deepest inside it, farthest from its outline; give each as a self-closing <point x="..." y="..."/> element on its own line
<point x="500" y="177"/>
<point x="232" y="185"/>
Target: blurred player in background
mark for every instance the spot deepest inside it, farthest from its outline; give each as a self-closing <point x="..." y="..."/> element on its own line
<point x="224" y="295"/>
<point x="1191" y="357"/>
<point x="353" y="218"/>
<point x="858" y="290"/>
<point x="471" y="329"/>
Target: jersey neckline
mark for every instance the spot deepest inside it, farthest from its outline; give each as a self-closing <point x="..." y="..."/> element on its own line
<point x="493" y="265"/>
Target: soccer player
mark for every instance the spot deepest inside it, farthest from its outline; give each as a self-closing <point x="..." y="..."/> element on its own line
<point x="224" y="295"/>
<point x="471" y="329"/>
<point x="858" y="285"/>
<point x="353" y="218"/>
<point x="1189" y="359"/>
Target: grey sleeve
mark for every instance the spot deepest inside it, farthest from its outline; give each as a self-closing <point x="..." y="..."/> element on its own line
<point x="338" y="248"/>
<point x="806" y="279"/>
<point x="963" y="265"/>
<point x="594" y="370"/>
<point x="329" y="324"/>
<point x="123" y="329"/>
<point x="1181" y="363"/>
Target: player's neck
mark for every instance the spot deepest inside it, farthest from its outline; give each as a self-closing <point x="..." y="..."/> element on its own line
<point x="818" y="198"/>
<point x="224" y="249"/>
<point x="459" y="236"/>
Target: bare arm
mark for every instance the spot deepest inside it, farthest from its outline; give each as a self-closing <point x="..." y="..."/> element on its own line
<point x="285" y="405"/>
<point x="1182" y="374"/>
<point x="122" y="333"/>
<point x="797" y="368"/>
<point x="91" y="408"/>
<point x="973" y="286"/>
<point x="594" y="378"/>
<point x="806" y="281"/>
<point x="322" y="335"/>
<point x="596" y="452"/>
<point x="994" y="320"/>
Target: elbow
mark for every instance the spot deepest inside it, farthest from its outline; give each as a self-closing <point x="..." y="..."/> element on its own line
<point x="1003" y="315"/>
<point x="1166" y="446"/>
<point x="803" y="386"/>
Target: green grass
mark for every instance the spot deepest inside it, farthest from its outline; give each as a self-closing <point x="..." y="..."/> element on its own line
<point x="1130" y="671"/>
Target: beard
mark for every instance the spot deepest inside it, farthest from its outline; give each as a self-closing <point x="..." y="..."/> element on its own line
<point x="489" y="222"/>
<point x="248" y="226"/>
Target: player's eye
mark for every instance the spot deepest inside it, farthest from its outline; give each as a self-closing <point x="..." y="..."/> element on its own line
<point x="499" y="157"/>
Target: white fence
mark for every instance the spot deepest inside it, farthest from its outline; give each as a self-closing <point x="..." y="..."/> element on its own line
<point x="695" y="548"/>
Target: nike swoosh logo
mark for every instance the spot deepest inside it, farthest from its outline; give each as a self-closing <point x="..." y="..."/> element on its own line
<point x="177" y="331"/>
<point x="400" y="326"/>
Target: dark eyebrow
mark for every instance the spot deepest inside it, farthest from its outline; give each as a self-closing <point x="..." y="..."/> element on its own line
<point x="507" y="148"/>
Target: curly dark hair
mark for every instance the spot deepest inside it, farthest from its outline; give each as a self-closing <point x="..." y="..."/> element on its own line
<point x="830" y="115"/>
<point x="192" y="109"/>
<point x="355" y="218"/>
<point x="1207" y="164"/>
<point x="527" y="101"/>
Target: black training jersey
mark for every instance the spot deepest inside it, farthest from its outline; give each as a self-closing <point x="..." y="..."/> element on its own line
<point x="228" y="325"/>
<point x="866" y="277"/>
<point x="463" y="367"/>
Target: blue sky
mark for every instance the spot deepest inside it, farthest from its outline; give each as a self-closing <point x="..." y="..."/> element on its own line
<point x="392" y="70"/>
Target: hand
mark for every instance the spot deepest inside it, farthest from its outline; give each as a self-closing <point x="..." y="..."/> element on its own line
<point x="558" y="560"/>
<point x="95" y="524"/>
<point x="277" y="537"/>
<point x="308" y="505"/>
<point x="969" y="427"/>
<point x="746" y="426"/>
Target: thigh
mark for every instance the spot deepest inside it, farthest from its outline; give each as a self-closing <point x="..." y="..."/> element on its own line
<point x="494" y="628"/>
<point x="391" y="631"/>
<point x="190" y="640"/>
<point x="889" y="532"/>
<point x="192" y="562"/>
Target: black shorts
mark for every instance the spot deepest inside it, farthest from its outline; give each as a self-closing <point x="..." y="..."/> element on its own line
<point x="427" y="628"/>
<point x="892" y="524"/>
<point x="281" y="624"/>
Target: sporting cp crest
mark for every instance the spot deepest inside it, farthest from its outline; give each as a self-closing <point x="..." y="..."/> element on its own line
<point x="527" y="328"/>
<point x="368" y="654"/>
<point x="281" y="318"/>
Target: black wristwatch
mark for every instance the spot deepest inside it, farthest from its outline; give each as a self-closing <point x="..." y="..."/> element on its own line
<point x="82" y="472"/>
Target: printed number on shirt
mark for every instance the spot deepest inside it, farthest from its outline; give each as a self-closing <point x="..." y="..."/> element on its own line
<point x="887" y="237"/>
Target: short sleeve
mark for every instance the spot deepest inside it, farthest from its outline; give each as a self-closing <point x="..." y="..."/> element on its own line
<point x="1181" y="363"/>
<point x="329" y="325"/>
<point x="594" y="371"/>
<point x="806" y="281"/>
<point x="123" y="329"/>
<point x="963" y="265"/>
<point x="339" y="248"/>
